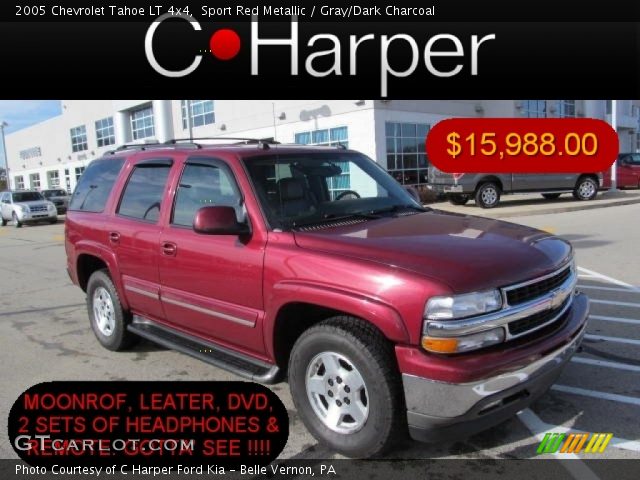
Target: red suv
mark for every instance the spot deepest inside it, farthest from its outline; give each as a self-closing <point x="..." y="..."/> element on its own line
<point x="627" y="172"/>
<point x="313" y="264"/>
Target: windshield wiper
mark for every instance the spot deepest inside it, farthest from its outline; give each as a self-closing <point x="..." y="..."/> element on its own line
<point x="398" y="208"/>
<point x="332" y="217"/>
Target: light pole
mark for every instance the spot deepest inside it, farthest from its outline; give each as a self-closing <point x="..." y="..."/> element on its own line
<point x="4" y="148"/>
<point x="614" y="125"/>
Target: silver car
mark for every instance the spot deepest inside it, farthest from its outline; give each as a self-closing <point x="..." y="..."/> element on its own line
<point x="59" y="197"/>
<point x="26" y="207"/>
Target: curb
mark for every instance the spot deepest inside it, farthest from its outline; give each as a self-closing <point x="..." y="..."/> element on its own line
<point x="545" y="211"/>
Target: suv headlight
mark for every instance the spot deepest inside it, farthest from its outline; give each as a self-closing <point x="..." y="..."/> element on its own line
<point x="23" y="208"/>
<point x="460" y="306"/>
<point x="51" y="207"/>
<point x="456" y="307"/>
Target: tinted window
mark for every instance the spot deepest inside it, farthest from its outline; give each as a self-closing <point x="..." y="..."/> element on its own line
<point x="26" y="196"/>
<point x="95" y="185"/>
<point x="204" y="185"/>
<point x="143" y="194"/>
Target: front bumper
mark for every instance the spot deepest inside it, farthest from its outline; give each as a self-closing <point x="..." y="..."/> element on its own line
<point x="445" y="188"/>
<point x="32" y="217"/>
<point x="438" y="410"/>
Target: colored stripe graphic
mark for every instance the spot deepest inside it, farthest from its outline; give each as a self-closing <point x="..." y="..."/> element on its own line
<point x="551" y="443"/>
<point x="574" y="442"/>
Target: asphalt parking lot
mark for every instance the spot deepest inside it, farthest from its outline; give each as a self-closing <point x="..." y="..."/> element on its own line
<point x="45" y="335"/>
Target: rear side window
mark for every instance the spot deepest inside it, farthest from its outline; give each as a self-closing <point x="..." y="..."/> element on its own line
<point x="142" y="197"/>
<point x="95" y="185"/>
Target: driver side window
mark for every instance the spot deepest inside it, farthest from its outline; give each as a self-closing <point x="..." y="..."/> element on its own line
<point x="202" y="185"/>
<point x="142" y="197"/>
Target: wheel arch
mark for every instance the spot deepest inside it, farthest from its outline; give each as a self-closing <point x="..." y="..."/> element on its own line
<point x="292" y="316"/>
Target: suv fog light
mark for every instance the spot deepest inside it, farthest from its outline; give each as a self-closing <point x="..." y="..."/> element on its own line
<point x="464" y="343"/>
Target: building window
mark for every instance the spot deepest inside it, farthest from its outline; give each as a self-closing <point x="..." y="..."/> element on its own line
<point x="406" y="157"/>
<point x="79" y="172"/>
<point x="201" y="113"/>
<point x="565" y="108"/>
<point x="105" y="133"/>
<point x="534" y="108"/>
<point x="19" y="182"/>
<point x="53" y="178"/>
<point x="330" y="137"/>
<point x="142" y="123"/>
<point x="79" y="139"/>
<point x="34" y="180"/>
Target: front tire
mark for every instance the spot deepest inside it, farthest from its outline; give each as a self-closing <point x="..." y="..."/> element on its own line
<point x="346" y="387"/>
<point x="4" y="222"/>
<point x="108" y="319"/>
<point x="458" y="199"/>
<point x="16" y="222"/>
<point x="586" y="189"/>
<point x="488" y="195"/>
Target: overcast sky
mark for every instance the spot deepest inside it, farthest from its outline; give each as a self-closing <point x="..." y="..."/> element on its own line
<point x="24" y="113"/>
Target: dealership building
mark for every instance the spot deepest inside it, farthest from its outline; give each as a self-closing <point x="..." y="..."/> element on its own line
<point x="55" y="152"/>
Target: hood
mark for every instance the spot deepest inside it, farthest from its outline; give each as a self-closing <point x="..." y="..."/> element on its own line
<point x="465" y="252"/>
<point x="34" y="203"/>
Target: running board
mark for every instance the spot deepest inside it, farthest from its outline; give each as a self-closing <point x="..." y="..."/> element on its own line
<point x="221" y="357"/>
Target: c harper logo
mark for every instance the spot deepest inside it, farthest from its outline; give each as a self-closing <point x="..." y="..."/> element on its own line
<point x="574" y="443"/>
<point x="442" y="55"/>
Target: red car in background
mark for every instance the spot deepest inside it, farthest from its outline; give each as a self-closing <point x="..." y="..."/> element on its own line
<point x="628" y="172"/>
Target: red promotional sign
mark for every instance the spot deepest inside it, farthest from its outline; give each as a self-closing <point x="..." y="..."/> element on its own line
<point x="522" y="145"/>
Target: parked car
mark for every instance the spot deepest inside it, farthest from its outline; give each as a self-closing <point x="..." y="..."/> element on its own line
<point x="26" y="207"/>
<point x="59" y="197"/>
<point x="487" y="188"/>
<point x="381" y="314"/>
<point x="627" y="172"/>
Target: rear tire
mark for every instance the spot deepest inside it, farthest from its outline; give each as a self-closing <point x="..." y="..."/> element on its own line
<point x="551" y="196"/>
<point x="586" y="189"/>
<point x="108" y="319"/>
<point x="458" y="199"/>
<point x="346" y="387"/>
<point x="488" y="195"/>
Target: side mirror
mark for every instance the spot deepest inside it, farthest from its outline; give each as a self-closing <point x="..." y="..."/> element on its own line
<point x="413" y="192"/>
<point x="218" y="220"/>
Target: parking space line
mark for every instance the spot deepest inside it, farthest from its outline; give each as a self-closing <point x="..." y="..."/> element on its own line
<point x="603" y="363"/>
<point x="577" y="468"/>
<point x="605" y="318"/>
<point x="612" y="302"/>
<point x="614" y="397"/>
<point x="533" y="422"/>
<point x="629" y="341"/>
<point x="590" y="273"/>
<point x="608" y="289"/>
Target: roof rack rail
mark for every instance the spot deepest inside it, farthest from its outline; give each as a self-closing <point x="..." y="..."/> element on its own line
<point x="142" y="146"/>
<point x="261" y="142"/>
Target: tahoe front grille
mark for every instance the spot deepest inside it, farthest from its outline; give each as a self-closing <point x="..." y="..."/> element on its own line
<point x="536" y="321"/>
<point x="536" y="289"/>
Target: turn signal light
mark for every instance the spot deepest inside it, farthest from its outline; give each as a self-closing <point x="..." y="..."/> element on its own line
<point x="440" y="345"/>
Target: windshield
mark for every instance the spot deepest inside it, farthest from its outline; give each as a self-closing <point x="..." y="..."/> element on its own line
<point x="54" y="193"/>
<point x="27" y="196"/>
<point x="298" y="189"/>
